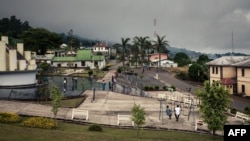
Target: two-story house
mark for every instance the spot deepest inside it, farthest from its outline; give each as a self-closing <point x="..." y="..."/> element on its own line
<point x="101" y="47"/>
<point x="233" y="72"/>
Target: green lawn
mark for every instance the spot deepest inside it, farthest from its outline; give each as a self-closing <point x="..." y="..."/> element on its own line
<point x="76" y="132"/>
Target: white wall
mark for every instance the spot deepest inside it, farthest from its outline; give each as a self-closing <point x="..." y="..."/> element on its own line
<point x="17" y="78"/>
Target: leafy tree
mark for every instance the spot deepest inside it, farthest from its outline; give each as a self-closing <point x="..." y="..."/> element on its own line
<point x="214" y="103"/>
<point x="138" y="117"/>
<point x="13" y="27"/>
<point x="161" y="44"/>
<point x="44" y="66"/>
<point x="40" y="39"/>
<point x="195" y="72"/>
<point x="56" y="97"/>
<point x="202" y="59"/>
<point x="182" y="59"/>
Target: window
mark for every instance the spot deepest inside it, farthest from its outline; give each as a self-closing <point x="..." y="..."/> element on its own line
<point x="83" y="63"/>
<point x="216" y="71"/>
<point x="212" y="70"/>
<point x="242" y="72"/>
<point x="243" y="88"/>
<point x="96" y="63"/>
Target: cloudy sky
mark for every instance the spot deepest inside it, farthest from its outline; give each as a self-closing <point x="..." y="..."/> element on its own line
<point x="200" y="25"/>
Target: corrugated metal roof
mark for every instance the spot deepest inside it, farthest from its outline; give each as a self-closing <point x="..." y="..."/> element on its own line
<point x="82" y="55"/>
<point x="245" y="63"/>
<point x="228" y="60"/>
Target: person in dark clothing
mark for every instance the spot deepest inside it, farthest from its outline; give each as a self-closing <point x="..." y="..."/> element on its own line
<point x="169" y="112"/>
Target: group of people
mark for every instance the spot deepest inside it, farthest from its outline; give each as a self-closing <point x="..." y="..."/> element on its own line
<point x="111" y="83"/>
<point x="177" y="111"/>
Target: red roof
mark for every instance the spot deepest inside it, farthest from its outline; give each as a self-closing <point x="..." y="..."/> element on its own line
<point x="227" y="81"/>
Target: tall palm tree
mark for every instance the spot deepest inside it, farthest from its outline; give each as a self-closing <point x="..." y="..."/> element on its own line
<point x="125" y="47"/>
<point x="142" y="42"/>
<point x="135" y="50"/>
<point x="148" y="46"/>
<point x="161" y="44"/>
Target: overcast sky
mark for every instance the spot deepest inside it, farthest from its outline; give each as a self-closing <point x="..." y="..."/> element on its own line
<point x="200" y="25"/>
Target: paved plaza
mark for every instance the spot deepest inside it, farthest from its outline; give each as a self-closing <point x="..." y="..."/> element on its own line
<point x="107" y="105"/>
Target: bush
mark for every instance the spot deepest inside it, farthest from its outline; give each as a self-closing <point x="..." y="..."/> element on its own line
<point x="95" y="127"/>
<point x="146" y="88"/>
<point x="151" y="88"/>
<point x="164" y="87"/>
<point x="233" y="111"/>
<point x="39" y="122"/>
<point x="9" y="118"/>
<point x="173" y="87"/>
<point x="156" y="87"/>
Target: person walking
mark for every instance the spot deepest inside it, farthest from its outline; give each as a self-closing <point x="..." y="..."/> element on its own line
<point x="169" y="112"/>
<point x="103" y="85"/>
<point x="177" y="112"/>
<point x="110" y="85"/>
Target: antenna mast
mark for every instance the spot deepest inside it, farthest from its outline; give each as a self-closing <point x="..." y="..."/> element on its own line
<point x="232" y="43"/>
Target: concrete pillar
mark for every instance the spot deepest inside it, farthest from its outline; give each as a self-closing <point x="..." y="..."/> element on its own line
<point x="12" y="60"/>
<point x="21" y="65"/>
<point x="20" y="48"/>
<point x="5" y="39"/>
<point x="2" y="56"/>
<point x="27" y="55"/>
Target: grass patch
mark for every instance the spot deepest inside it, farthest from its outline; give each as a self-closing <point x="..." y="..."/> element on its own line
<point x="68" y="103"/>
<point x="76" y="132"/>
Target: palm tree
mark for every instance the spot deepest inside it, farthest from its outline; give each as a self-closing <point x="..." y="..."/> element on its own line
<point x="135" y="50"/>
<point x="142" y="43"/>
<point x="148" y="46"/>
<point x="125" y="46"/>
<point x="160" y="44"/>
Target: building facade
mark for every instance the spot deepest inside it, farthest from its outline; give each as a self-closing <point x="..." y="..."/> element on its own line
<point x="101" y="47"/>
<point x="17" y="67"/>
<point x="84" y="58"/>
<point x="233" y="72"/>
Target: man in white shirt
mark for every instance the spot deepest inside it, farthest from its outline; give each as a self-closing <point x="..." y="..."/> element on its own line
<point x="177" y="112"/>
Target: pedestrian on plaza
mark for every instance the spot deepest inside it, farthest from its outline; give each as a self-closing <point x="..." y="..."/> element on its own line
<point x="177" y="112"/>
<point x="169" y="112"/>
<point x="103" y="85"/>
<point x="110" y="85"/>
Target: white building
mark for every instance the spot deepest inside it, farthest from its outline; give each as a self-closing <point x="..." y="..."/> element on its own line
<point x="17" y="67"/>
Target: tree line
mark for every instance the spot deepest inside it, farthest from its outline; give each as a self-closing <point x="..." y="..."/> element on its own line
<point x="38" y="39"/>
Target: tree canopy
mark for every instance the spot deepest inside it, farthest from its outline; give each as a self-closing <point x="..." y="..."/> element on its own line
<point x="182" y="59"/>
<point x="214" y="103"/>
<point x="40" y="39"/>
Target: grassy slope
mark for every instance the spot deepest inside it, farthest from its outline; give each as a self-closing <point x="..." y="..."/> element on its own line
<point x="73" y="132"/>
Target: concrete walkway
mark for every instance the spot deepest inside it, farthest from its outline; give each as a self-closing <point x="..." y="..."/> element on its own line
<point x="108" y="105"/>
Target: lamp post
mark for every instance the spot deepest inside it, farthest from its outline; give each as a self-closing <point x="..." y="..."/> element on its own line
<point x="161" y="98"/>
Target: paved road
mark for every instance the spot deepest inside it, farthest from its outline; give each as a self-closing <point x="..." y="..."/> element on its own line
<point x="168" y="78"/>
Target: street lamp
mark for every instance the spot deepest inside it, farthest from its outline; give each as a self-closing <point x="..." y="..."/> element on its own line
<point x="161" y="98"/>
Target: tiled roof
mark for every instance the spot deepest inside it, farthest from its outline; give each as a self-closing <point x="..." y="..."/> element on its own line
<point x="100" y="45"/>
<point x="228" y="60"/>
<point x="227" y="81"/>
<point x="82" y="55"/>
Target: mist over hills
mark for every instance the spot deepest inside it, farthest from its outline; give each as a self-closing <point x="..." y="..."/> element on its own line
<point x="194" y="55"/>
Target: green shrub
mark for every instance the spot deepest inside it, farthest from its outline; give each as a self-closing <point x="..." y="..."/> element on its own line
<point x="173" y="87"/>
<point x="95" y="127"/>
<point x="164" y="87"/>
<point x="233" y="111"/>
<point x="157" y="87"/>
<point x="9" y="118"/>
<point x="151" y="88"/>
<point x="39" y="122"/>
<point x="146" y="88"/>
